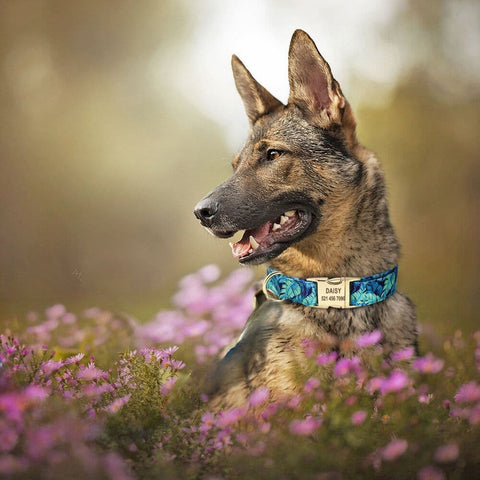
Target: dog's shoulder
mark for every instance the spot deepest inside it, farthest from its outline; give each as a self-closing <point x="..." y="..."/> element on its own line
<point x="249" y="353"/>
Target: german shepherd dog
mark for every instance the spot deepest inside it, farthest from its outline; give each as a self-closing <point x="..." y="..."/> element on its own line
<point x="312" y="201"/>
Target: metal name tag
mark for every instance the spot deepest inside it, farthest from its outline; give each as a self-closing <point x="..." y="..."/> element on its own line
<point x="333" y="292"/>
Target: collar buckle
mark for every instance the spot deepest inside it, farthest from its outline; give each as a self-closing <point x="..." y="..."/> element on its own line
<point x="333" y="292"/>
<point x="266" y="291"/>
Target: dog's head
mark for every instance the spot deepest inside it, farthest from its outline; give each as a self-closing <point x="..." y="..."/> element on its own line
<point x="297" y="166"/>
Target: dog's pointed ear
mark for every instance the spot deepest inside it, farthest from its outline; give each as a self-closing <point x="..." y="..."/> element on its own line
<point x="258" y="101"/>
<point x="312" y="86"/>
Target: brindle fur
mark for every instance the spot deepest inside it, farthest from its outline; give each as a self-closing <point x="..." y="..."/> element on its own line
<point x="327" y="172"/>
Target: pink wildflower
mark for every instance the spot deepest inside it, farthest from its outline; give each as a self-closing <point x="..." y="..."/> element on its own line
<point x="474" y="415"/>
<point x="468" y="393"/>
<point x="56" y="311"/>
<point x="374" y="384"/>
<point x="368" y="339"/>
<point x="430" y="473"/>
<point x="294" y="402"/>
<point x="447" y="453"/>
<point x="395" y="449"/>
<point x="258" y="397"/>
<point x="229" y="417"/>
<point x="351" y="400"/>
<point x="404" y="354"/>
<point x="428" y="364"/>
<point x="306" y="426"/>
<point x="69" y="318"/>
<point x="51" y="366"/>
<point x="74" y="359"/>
<point x="309" y="346"/>
<point x="166" y="388"/>
<point x="425" y="398"/>
<point x="208" y="421"/>
<point x="118" y="403"/>
<point x="91" y="372"/>
<point x="311" y="384"/>
<point x="209" y="273"/>
<point x="326" y="358"/>
<point x="358" y="417"/>
<point x="345" y="366"/>
<point x="223" y="440"/>
<point x="397" y="381"/>
<point x="34" y="393"/>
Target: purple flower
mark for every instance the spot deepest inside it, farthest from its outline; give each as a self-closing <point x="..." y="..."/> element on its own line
<point x="209" y="273"/>
<point x="430" y="473"/>
<point x="358" y="417"/>
<point x="447" y="453"/>
<point x="468" y="393"/>
<point x="474" y="415"/>
<point x="428" y="364"/>
<point x="368" y="339"/>
<point x="404" y="354"/>
<point x="311" y="384"/>
<point x="166" y="388"/>
<point x="51" y="366"/>
<point x="74" y="359"/>
<point x="118" y="403"/>
<point x="374" y="384"/>
<point x="208" y="421"/>
<point x="34" y="393"/>
<point x="222" y="440"/>
<point x="306" y="426"/>
<point x="425" y="398"/>
<point x="395" y="449"/>
<point x="345" y="366"/>
<point x="69" y="318"/>
<point x="326" y="358"/>
<point x="397" y="381"/>
<point x="56" y="311"/>
<point x="91" y="372"/>
<point x="174" y="364"/>
<point x="229" y="417"/>
<point x="259" y="396"/>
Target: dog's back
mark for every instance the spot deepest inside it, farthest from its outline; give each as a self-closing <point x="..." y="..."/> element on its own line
<point x="312" y="201"/>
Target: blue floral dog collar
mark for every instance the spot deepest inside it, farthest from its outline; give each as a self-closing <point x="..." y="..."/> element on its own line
<point x="323" y="292"/>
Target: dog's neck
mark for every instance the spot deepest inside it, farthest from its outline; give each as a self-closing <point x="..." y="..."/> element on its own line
<point x="354" y="237"/>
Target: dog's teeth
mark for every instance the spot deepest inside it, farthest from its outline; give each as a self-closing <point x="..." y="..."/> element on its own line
<point x="290" y="213"/>
<point x="276" y="226"/>
<point x="237" y="236"/>
<point x="283" y="219"/>
<point x="253" y="243"/>
<point x="251" y="250"/>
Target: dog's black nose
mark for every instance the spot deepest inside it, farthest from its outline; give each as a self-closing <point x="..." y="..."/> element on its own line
<point x="205" y="211"/>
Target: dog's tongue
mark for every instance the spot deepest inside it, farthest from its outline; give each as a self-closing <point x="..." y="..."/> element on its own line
<point x="243" y="247"/>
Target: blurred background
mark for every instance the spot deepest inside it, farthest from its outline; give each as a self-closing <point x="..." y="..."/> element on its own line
<point x="116" y="117"/>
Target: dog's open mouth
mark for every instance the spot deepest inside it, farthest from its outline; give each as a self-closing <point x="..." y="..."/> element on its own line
<point x="272" y="237"/>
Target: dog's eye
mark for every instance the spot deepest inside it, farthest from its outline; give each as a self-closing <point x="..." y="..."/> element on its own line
<point x="273" y="154"/>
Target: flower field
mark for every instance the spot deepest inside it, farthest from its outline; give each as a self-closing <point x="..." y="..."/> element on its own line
<point x="101" y="396"/>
